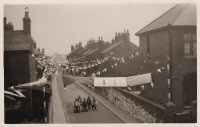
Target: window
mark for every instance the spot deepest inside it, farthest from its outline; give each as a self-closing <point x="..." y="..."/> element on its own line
<point x="190" y="44"/>
<point x="148" y="45"/>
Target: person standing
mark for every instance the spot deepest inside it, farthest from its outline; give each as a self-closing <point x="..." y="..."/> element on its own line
<point x="84" y="104"/>
<point x="94" y="104"/>
<point x="89" y="101"/>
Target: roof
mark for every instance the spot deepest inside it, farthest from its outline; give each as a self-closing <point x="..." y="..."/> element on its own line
<point x="75" y="52"/>
<point x="112" y="46"/>
<point x="17" y="41"/>
<point x="18" y="47"/>
<point x="86" y="52"/>
<point x="179" y="15"/>
<point x="94" y="50"/>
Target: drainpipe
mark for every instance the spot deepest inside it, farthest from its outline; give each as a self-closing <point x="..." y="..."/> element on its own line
<point x="170" y="90"/>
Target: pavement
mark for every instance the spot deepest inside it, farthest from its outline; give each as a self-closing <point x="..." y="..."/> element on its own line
<point x="58" y="113"/>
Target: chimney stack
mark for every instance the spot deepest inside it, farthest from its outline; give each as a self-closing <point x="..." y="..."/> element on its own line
<point x="80" y="44"/>
<point x="4" y="20"/>
<point x="43" y="50"/>
<point x="72" y="48"/>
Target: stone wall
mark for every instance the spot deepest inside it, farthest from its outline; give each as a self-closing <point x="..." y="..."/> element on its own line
<point x="132" y="106"/>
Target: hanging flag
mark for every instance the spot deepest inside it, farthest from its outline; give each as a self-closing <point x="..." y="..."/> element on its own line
<point x="159" y="70"/>
<point x="168" y="57"/>
<point x="169" y="96"/>
<point x="8" y="93"/>
<point x="167" y="66"/>
<point x="139" y="79"/>
<point x="33" y="55"/>
<point x="129" y="88"/>
<point x="43" y="81"/>
<point x="19" y="93"/>
<point x="110" y="82"/>
<point x="142" y="87"/>
<point x="152" y="85"/>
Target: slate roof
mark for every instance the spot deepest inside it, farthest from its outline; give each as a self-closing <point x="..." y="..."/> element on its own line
<point x="94" y="50"/>
<point x="85" y="53"/>
<point x="111" y="47"/>
<point x="17" y="41"/>
<point x="179" y="15"/>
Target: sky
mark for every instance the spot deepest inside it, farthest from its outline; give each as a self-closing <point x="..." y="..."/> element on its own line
<point x="56" y="27"/>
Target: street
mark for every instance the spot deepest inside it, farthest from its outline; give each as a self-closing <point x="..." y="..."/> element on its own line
<point x="101" y="115"/>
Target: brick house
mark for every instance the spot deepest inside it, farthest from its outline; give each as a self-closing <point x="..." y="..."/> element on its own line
<point x="171" y="38"/>
<point x="19" y="64"/>
<point x="121" y="46"/>
<point x="20" y="67"/>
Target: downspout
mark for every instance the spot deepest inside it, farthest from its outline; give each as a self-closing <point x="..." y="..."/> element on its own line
<point x="170" y="89"/>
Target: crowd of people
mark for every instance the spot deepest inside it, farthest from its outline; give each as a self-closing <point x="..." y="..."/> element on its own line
<point x="129" y="106"/>
<point x="133" y="109"/>
<point x="83" y="104"/>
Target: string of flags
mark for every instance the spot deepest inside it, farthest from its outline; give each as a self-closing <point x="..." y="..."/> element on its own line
<point x="81" y="66"/>
<point x="115" y="61"/>
<point x="49" y="68"/>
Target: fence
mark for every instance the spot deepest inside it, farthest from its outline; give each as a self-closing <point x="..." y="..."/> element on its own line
<point x="183" y="117"/>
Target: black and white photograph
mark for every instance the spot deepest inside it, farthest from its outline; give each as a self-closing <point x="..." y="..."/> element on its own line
<point x="100" y="63"/>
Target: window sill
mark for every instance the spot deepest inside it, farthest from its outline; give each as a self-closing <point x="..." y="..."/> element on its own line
<point x="190" y="56"/>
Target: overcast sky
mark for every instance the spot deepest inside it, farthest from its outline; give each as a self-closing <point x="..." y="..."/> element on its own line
<point x="56" y="27"/>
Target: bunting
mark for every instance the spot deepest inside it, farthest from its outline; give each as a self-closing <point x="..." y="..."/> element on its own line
<point x="139" y="79"/>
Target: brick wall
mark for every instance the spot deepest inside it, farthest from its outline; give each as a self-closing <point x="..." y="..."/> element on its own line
<point x="181" y="66"/>
<point x="16" y="68"/>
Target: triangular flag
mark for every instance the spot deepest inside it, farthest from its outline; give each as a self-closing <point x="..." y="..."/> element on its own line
<point x="129" y="88"/>
<point x="19" y="93"/>
<point x="159" y="70"/>
<point x="142" y="86"/>
<point x="167" y="66"/>
<point x="152" y="85"/>
<point x="33" y="55"/>
<point x="168" y="57"/>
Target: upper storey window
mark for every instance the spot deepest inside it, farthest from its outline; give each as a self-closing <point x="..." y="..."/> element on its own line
<point x="190" y="45"/>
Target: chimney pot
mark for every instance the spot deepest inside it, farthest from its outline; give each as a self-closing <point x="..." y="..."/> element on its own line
<point x="4" y="20"/>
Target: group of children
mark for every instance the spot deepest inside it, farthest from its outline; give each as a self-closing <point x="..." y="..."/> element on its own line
<point x="83" y="104"/>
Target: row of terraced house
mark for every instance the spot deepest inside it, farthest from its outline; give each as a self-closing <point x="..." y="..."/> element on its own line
<point x="21" y="67"/>
<point x="168" y="42"/>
